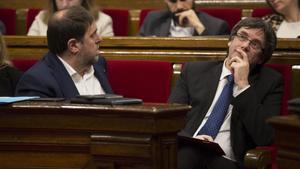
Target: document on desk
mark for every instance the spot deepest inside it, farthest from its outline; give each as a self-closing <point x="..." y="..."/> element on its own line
<point x="210" y="147"/>
<point x="8" y="100"/>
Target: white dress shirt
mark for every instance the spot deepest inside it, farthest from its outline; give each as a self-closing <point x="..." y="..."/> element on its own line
<point x="178" y="31"/>
<point x="87" y="84"/>
<point x="223" y="137"/>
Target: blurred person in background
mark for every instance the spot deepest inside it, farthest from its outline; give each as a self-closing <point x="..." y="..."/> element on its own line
<point x="9" y="76"/>
<point x="40" y="24"/>
<point x="286" y="19"/>
<point x="182" y="20"/>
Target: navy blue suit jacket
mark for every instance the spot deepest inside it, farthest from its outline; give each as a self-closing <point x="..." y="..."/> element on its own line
<point x="49" y="78"/>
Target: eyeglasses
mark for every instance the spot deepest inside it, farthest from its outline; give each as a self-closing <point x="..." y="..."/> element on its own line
<point x="254" y="44"/>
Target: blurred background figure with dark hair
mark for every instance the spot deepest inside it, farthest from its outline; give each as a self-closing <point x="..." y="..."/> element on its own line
<point x="40" y="24"/>
<point x="9" y="76"/>
<point x="286" y="20"/>
<point x="182" y="20"/>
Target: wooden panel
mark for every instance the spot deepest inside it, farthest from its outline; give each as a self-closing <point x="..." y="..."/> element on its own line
<point x="44" y="135"/>
<point x="288" y="149"/>
<point x="175" y="50"/>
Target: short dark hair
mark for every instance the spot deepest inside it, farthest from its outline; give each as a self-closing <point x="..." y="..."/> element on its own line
<point x="65" y="25"/>
<point x="258" y="23"/>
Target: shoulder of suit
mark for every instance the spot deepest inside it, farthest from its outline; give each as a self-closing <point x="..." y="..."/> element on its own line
<point x="202" y="65"/>
<point x="159" y="13"/>
<point x="210" y="17"/>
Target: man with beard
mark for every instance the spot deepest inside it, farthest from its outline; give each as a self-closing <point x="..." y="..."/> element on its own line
<point x="73" y="65"/>
<point x="181" y="20"/>
<point x="230" y="99"/>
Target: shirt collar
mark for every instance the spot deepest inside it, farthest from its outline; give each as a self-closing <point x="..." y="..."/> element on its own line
<point x="225" y="72"/>
<point x="72" y="72"/>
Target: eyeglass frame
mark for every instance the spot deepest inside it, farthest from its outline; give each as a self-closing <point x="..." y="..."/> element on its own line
<point x="252" y="43"/>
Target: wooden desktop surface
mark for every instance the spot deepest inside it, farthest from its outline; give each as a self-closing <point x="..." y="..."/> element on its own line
<point x="64" y="135"/>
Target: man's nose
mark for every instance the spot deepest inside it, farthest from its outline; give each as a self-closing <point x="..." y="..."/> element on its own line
<point x="99" y="39"/>
<point x="179" y="5"/>
<point x="245" y="45"/>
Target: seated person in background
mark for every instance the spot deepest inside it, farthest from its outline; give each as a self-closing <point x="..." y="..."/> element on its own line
<point x="286" y="20"/>
<point x="182" y="20"/>
<point x="9" y="76"/>
<point x="39" y="25"/>
<point x="73" y="65"/>
<point x="231" y="99"/>
<point x="2" y="28"/>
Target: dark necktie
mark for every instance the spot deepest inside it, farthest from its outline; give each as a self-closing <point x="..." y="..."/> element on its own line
<point x="216" y="118"/>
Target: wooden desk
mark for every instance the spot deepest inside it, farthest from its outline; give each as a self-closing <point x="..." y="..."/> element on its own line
<point x="63" y="135"/>
<point x="287" y="140"/>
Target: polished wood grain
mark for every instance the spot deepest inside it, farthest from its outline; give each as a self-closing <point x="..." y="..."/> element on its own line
<point x="44" y="135"/>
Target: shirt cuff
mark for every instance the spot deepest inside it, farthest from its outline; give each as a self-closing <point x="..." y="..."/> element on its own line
<point x="237" y="91"/>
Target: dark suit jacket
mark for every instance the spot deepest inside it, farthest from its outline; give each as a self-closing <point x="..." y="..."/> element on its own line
<point x="9" y="78"/>
<point x="2" y="28"/>
<point x="49" y="78"/>
<point x="197" y="87"/>
<point x="158" y="23"/>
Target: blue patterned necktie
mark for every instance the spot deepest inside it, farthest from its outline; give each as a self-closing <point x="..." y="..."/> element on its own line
<point x="216" y="118"/>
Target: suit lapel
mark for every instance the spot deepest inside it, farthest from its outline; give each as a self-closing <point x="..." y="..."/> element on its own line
<point x="100" y="75"/>
<point x="165" y="28"/>
<point x="64" y="80"/>
<point x="210" y="83"/>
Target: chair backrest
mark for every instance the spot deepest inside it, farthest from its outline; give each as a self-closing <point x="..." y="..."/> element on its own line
<point x="230" y="15"/>
<point x="147" y="80"/>
<point x="286" y="71"/>
<point x="8" y="17"/>
<point x="22" y="64"/>
<point x="120" y="18"/>
<point x="261" y="12"/>
<point x="31" y="13"/>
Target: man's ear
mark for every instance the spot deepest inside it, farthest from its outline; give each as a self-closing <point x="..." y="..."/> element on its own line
<point x="73" y="46"/>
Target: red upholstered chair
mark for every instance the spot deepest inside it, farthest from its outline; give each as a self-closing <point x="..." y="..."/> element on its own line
<point x="230" y="15"/>
<point x="23" y="64"/>
<point x="120" y="19"/>
<point x="31" y="13"/>
<point x="147" y="80"/>
<point x="265" y="156"/>
<point x="261" y="12"/>
<point x="8" y="17"/>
